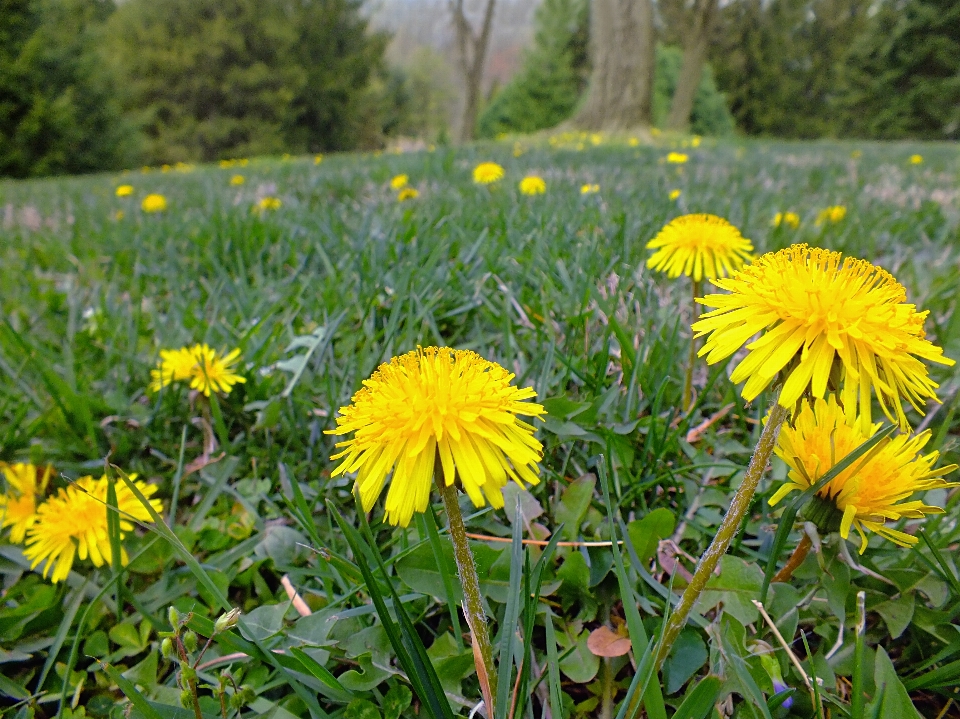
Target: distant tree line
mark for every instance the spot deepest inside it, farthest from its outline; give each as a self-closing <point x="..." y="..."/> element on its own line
<point x="91" y="85"/>
<point x="785" y="68"/>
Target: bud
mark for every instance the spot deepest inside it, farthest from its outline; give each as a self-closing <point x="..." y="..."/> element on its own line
<point x="188" y="674"/>
<point x="247" y="694"/>
<point x="166" y="648"/>
<point x="190" y="641"/>
<point x="227" y="621"/>
<point x="186" y="699"/>
<point x="173" y="616"/>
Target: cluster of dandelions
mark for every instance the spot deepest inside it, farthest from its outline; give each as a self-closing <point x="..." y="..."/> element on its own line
<point x="487" y="173"/>
<point x="201" y="367"/>
<point x="401" y="183"/>
<point x="72" y="523"/>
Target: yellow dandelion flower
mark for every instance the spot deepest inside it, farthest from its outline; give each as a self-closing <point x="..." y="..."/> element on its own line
<point x="237" y="180"/>
<point x="655" y="131"/>
<point x="437" y="402"/>
<point x="824" y="319"/>
<point x="487" y="172"/>
<point x="699" y="246"/>
<point x="916" y="159"/>
<point x="533" y="185"/>
<point x="695" y="141"/>
<point x="790" y="219"/>
<point x="835" y="213"/>
<point x="674" y="194"/>
<point x="124" y="190"/>
<point x="74" y="524"/>
<point x="596" y="138"/>
<point x="407" y="193"/>
<point x="243" y="162"/>
<point x="225" y="164"/>
<point x="118" y="215"/>
<point x="154" y="203"/>
<point x="268" y="203"/>
<point x="317" y="159"/>
<point x="213" y="372"/>
<point x="589" y="189"/>
<point x="174" y="366"/>
<point x="165" y="168"/>
<point x="856" y="154"/>
<point x="633" y="142"/>
<point x="399" y="181"/>
<point x="870" y="492"/>
<point x="677" y="158"/>
<point x="18" y="504"/>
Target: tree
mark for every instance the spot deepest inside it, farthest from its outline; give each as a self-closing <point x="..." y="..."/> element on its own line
<point x="209" y="79"/>
<point x="695" y="47"/>
<point x="472" y="53"/>
<point x="780" y="62"/>
<point x="902" y="77"/>
<point x="622" y="46"/>
<point x="553" y="74"/>
<point x="57" y="109"/>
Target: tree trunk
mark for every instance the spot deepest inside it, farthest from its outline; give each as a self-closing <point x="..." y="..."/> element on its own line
<point x="472" y="50"/>
<point x="695" y="47"/>
<point x="620" y="94"/>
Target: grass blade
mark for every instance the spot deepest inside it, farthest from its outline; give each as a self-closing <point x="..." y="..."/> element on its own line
<point x="511" y="614"/>
<point x="700" y="701"/>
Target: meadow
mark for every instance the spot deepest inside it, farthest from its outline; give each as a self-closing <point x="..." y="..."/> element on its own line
<point x="340" y="275"/>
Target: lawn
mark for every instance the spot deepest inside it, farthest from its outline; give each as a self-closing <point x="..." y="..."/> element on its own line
<point x="339" y="276"/>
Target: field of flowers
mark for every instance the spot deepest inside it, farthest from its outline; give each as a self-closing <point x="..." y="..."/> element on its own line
<point x="179" y="346"/>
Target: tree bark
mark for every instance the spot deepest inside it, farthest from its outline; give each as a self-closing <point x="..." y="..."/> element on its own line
<point x="695" y="47"/>
<point x="620" y="93"/>
<point x="472" y="51"/>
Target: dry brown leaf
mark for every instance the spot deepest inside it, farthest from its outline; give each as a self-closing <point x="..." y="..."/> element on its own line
<point x="604" y="642"/>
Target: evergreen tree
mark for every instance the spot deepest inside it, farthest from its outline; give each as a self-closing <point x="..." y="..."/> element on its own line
<point x="57" y="111"/>
<point x="779" y="62"/>
<point x="553" y="74"/>
<point x="208" y="79"/>
<point x="903" y="75"/>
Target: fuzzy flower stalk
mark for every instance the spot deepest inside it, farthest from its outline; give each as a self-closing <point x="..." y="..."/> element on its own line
<point x="821" y="322"/>
<point x="432" y="417"/>
<point x="698" y="246"/>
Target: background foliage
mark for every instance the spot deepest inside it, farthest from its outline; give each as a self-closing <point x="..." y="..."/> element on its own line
<point x="340" y="278"/>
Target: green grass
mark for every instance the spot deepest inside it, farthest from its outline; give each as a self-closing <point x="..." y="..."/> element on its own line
<point x="554" y="288"/>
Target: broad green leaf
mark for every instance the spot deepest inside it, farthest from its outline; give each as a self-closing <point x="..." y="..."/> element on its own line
<point x="574" y="503"/>
<point x="892" y="700"/>
<point x="897" y="613"/>
<point x="687" y="655"/>
<point x="646" y="533"/>
<point x="264" y="621"/>
<point x="580" y="665"/>
<point x="739" y="583"/>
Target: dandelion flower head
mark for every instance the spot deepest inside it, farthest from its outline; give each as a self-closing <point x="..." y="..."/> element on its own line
<point x="437" y="402"/>
<point x="589" y="189"/>
<point x="24" y="483"/>
<point x="268" y="203"/>
<point x="699" y="246"/>
<point x="533" y="185"/>
<point x="869" y="492"/>
<point x="74" y="524"/>
<point x="487" y="172"/>
<point x="174" y="366"/>
<point x="154" y="203"/>
<point x="916" y="159"/>
<point x="834" y="213"/>
<point x="317" y="159"/>
<point x="399" y="181"/>
<point x="124" y="190"/>
<point x="674" y="194"/>
<point x="213" y="372"/>
<point x="202" y="367"/>
<point x="790" y="219"/>
<point x="237" y="180"/>
<point x="407" y="193"/>
<point x="825" y="319"/>
<point x="677" y="158"/>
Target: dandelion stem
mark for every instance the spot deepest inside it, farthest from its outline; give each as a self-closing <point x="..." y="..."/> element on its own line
<point x="728" y="529"/>
<point x="691" y="360"/>
<point x="796" y="559"/>
<point x="472" y="604"/>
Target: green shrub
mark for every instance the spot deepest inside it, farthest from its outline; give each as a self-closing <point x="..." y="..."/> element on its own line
<point x="710" y="115"/>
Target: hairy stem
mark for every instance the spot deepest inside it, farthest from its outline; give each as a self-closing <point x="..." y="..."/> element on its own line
<point x="796" y="559"/>
<point x="472" y="605"/>
<point x="728" y="530"/>
<point x="692" y="358"/>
